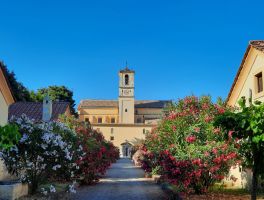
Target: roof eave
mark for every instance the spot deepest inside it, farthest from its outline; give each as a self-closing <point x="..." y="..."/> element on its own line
<point x="238" y="72"/>
<point x="8" y="83"/>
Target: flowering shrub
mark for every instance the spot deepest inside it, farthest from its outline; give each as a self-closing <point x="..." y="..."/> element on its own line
<point x="192" y="153"/>
<point x="41" y="153"/>
<point x="51" y="151"/>
<point x="138" y="157"/>
<point x="99" y="154"/>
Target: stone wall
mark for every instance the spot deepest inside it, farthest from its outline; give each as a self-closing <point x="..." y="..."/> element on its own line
<point x="3" y="172"/>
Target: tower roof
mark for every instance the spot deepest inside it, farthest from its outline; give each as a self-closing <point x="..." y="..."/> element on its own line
<point x="127" y="70"/>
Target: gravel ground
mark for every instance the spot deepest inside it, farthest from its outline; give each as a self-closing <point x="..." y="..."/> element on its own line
<point x="122" y="181"/>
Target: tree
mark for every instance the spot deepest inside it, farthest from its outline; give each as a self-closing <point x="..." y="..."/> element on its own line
<point x="247" y="127"/>
<point x="20" y="92"/>
<point x="56" y="93"/>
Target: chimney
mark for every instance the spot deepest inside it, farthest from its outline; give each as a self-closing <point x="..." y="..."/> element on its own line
<point x="47" y="108"/>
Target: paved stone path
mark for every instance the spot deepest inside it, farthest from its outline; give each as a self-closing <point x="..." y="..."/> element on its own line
<point x="122" y="181"/>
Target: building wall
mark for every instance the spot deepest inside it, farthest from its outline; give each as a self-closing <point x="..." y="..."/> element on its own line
<point x="243" y="178"/>
<point x="123" y="133"/>
<point x="6" y="99"/>
<point x="143" y="114"/>
<point x="253" y="65"/>
<point x="107" y="113"/>
<point x="94" y="113"/>
<point x="149" y="111"/>
<point x="3" y="110"/>
<point x="126" y="110"/>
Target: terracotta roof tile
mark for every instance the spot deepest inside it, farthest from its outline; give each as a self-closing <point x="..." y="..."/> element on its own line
<point x="99" y="103"/>
<point x="34" y="109"/>
<point x="114" y="103"/>
<point x="151" y="104"/>
<point x="257" y="44"/>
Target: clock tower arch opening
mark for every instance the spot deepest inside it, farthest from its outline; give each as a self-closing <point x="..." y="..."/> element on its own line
<point x="126" y="79"/>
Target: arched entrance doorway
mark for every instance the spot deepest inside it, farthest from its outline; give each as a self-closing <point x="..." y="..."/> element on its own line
<point x="126" y="150"/>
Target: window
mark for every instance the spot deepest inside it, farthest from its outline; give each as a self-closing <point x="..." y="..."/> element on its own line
<point x="86" y="120"/>
<point x="139" y="120"/>
<point x="99" y="120"/>
<point x="112" y="120"/>
<point x="259" y="82"/>
<point x="126" y="79"/>
<point x="112" y="138"/>
<point x="125" y="110"/>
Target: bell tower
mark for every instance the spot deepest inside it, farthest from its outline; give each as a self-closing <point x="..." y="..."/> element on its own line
<point x="126" y="96"/>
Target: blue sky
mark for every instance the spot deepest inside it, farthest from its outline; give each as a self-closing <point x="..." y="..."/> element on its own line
<point x="177" y="48"/>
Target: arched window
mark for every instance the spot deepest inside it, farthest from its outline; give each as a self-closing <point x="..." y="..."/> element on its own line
<point x="126" y="79"/>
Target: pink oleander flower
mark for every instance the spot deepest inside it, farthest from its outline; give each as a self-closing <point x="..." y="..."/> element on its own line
<point x="208" y="119"/>
<point x="191" y="139"/>
<point x="174" y="128"/>
<point x="197" y="129"/>
<point x="230" y="133"/>
<point x="216" y="130"/>
<point x="214" y="151"/>
<point x="206" y="153"/>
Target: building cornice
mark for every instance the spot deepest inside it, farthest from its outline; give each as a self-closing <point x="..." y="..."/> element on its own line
<point x="127" y="97"/>
<point x="122" y="87"/>
<point x="125" y="125"/>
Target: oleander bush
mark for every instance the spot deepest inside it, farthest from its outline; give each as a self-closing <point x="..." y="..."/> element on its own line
<point x="42" y="152"/>
<point x="56" y="152"/>
<point x="99" y="154"/>
<point x="187" y="149"/>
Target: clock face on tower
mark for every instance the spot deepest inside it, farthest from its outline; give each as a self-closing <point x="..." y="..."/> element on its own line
<point x="126" y="92"/>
